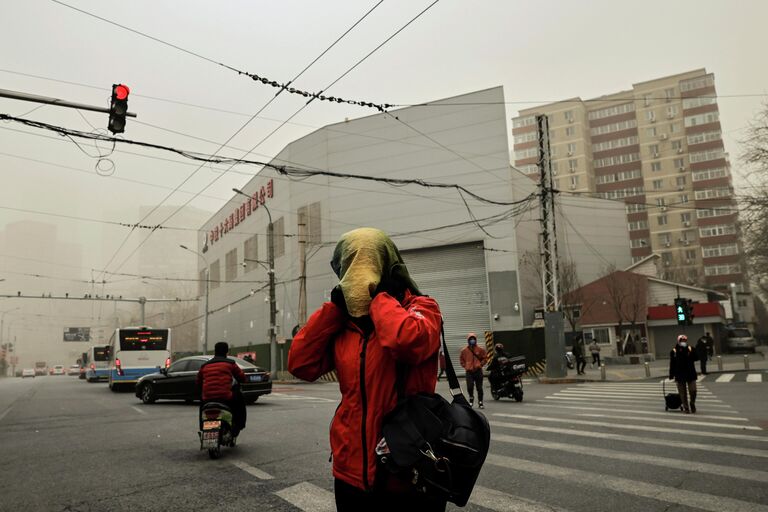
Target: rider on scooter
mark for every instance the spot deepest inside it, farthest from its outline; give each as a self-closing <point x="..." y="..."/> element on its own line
<point x="216" y="380"/>
<point x="494" y="368"/>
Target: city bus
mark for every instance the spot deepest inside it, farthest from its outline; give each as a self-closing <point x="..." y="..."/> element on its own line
<point x="135" y="352"/>
<point x="97" y="363"/>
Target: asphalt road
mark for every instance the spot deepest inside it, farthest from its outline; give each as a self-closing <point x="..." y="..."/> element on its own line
<point x="68" y="445"/>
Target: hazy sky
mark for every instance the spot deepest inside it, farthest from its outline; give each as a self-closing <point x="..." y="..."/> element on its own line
<point x="539" y="51"/>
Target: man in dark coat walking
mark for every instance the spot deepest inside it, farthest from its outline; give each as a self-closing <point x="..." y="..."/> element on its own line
<point x="704" y="348"/>
<point x="683" y="370"/>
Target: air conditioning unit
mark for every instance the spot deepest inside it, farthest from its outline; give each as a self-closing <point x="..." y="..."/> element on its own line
<point x="668" y="244"/>
<point x="666" y="263"/>
<point x="655" y="155"/>
<point x="570" y="153"/>
<point x="688" y="262"/>
<point x="680" y="187"/>
<point x="687" y="224"/>
<point x="670" y="115"/>
<point x="680" y="151"/>
<point x="573" y="186"/>
<point x="681" y="169"/>
<point x="653" y="119"/>
<point x="663" y="208"/>
<point x="570" y="119"/>
<point x="686" y="242"/>
<point x="573" y="170"/>
<point x="663" y="136"/>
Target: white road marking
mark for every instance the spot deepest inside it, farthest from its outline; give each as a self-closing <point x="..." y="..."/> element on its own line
<point x="261" y="475"/>
<point x="636" y="396"/>
<point x="138" y="410"/>
<point x="735" y="450"/>
<point x="700" y="378"/>
<point x="283" y="396"/>
<point x="618" y="400"/>
<point x="755" y="377"/>
<point x="503" y="502"/>
<point x="651" y="390"/>
<point x="5" y="412"/>
<point x="632" y="487"/>
<point x="644" y="428"/>
<point x="309" y="497"/>
<point x="726" y="377"/>
<point x="635" y="411"/>
<point x="681" y="464"/>
<point x="677" y="422"/>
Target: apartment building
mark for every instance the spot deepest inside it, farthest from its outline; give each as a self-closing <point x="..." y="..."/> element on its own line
<point x="658" y="147"/>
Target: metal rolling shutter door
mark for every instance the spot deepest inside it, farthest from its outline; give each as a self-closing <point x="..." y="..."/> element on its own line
<point x="456" y="278"/>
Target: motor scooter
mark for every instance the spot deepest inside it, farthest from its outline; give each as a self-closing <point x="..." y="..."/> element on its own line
<point x="506" y="377"/>
<point x="570" y="360"/>
<point x="215" y="428"/>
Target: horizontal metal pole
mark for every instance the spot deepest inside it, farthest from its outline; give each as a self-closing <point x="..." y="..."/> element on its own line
<point x="23" y="96"/>
<point x="113" y="299"/>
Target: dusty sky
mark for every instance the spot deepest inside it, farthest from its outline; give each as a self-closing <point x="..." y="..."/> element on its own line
<point x="539" y="51"/>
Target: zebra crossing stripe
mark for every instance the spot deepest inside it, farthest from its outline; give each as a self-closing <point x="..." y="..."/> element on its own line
<point x="755" y="377"/>
<point x="726" y="377"/>
<point x="308" y="497"/>
<point x="653" y="389"/>
<point x="681" y="464"/>
<point x="597" y="394"/>
<point x="503" y="502"/>
<point x="635" y="411"/>
<point x="710" y="502"/>
<point x="593" y="399"/>
<point x="735" y="450"/>
<point x="261" y="475"/>
<point x="678" y="422"/>
<point x="644" y="428"/>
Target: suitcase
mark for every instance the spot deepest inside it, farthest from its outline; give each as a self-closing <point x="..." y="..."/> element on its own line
<point x="671" y="400"/>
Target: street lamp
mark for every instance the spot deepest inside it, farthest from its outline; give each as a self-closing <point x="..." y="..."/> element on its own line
<point x="207" y="290"/>
<point x="271" y="272"/>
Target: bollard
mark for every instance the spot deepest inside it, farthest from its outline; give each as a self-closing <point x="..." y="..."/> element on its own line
<point x="602" y="371"/>
<point x="720" y="363"/>
<point x="647" y="369"/>
<point x="746" y="362"/>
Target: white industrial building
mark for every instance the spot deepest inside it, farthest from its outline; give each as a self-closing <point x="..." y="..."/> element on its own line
<point x="473" y="273"/>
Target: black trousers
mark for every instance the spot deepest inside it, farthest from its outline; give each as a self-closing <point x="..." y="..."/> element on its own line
<point x="596" y="358"/>
<point x="351" y="499"/>
<point x="581" y="363"/>
<point x="237" y="406"/>
<point x="475" y="377"/>
<point x="703" y="366"/>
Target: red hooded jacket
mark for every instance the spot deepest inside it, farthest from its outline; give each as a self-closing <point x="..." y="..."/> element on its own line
<point x="366" y="370"/>
<point x="216" y="376"/>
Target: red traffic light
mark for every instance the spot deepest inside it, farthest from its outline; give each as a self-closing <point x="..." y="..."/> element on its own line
<point x="121" y="91"/>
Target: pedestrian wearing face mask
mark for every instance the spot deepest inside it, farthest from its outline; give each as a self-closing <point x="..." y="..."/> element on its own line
<point x="683" y="370"/>
<point x="473" y="359"/>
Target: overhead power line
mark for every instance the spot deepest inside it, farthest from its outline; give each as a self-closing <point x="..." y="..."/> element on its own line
<point x="281" y="86"/>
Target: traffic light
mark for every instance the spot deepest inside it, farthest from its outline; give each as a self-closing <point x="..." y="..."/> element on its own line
<point x="118" y="108"/>
<point x="684" y="311"/>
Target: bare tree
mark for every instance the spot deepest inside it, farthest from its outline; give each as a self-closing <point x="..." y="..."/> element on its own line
<point x="626" y="294"/>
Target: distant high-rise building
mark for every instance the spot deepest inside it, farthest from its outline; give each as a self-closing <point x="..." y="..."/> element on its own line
<point x="658" y="147"/>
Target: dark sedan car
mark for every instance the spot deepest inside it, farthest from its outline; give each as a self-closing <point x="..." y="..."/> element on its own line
<point x="178" y="381"/>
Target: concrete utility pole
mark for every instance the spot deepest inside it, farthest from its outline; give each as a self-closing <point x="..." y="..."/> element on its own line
<point x="302" y="271"/>
<point x="554" y="335"/>
<point x="34" y="98"/>
<point x="207" y="292"/>
<point x="271" y="272"/>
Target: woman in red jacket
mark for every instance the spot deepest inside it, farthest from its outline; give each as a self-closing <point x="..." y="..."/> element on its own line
<point x="376" y="318"/>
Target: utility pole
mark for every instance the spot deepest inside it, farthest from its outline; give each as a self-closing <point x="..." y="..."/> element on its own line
<point x="302" y="270"/>
<point x="554" y="335"/>
<point x="271" y="272"/>
<point x="207" y="292"/>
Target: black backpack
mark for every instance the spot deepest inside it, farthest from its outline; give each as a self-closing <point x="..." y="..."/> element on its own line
<point x="439" y="446"/>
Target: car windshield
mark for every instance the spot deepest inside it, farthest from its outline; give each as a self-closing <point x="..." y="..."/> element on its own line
<point x="740" y="333"/>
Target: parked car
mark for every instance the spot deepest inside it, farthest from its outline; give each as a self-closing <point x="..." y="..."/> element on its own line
<point x="74" y="369"/>
<point x="28" y="372"/>
<point x="739" y="338"/>
<point x="178" y="381"/>
<point x="57" y="370"/>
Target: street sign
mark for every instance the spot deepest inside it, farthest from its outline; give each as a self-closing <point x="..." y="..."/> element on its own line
<point x="77" y="334"/>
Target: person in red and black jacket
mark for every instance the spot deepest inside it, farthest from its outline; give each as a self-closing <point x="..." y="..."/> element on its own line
<point x="216" y="379"/>
<point x="376" y="318"/>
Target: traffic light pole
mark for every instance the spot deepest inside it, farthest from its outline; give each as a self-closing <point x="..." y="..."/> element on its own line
<point x="34" y="98"/>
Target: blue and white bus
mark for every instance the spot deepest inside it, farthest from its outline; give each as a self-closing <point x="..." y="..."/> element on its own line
<point x="97" y="363"/>
<point x="135" y="352"/>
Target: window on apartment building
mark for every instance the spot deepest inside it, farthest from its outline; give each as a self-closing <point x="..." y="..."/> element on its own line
<point x="655" y="166"/>
<point x="572" y="148"/>
<point x="671" y="111"/>
<point x="653" y="150"/>
<point x="662" y="220"/>
<point x="574" y="181"/>
<point x="552" y="134"/>
<point x="660" y="201"/>
<point x="679" y="163"/>
<point x="683" y="198"/>
<point x="647" y="99"/>
<point x="251" y="253"/>
<point x="637" y="243"/>
<point x="664" y="238"/>
<point x="552" y="151"/>
<point x="685" y="217"/>
<point x="650" y="115"/>
<point x="555" y="168"/>
<point x="669" y="94"/>
<point x="690" y="255"/>
<point x="658" y="184"/>
<point x="568" y="114"/>
<point x="651" y="132"/>
<point x="573" y="164"/>
<point x="680" y="181"/>
<point x="230" y="265"/>
<point x="677" y="145"/>
<point x="215" y="274"/>
<point x="674" y="128"/>
<point x="666" y="258"/>
<point x="570" y="131"/>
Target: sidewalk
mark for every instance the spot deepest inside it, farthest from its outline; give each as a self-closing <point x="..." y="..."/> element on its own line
<point x="659" y="369"/>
